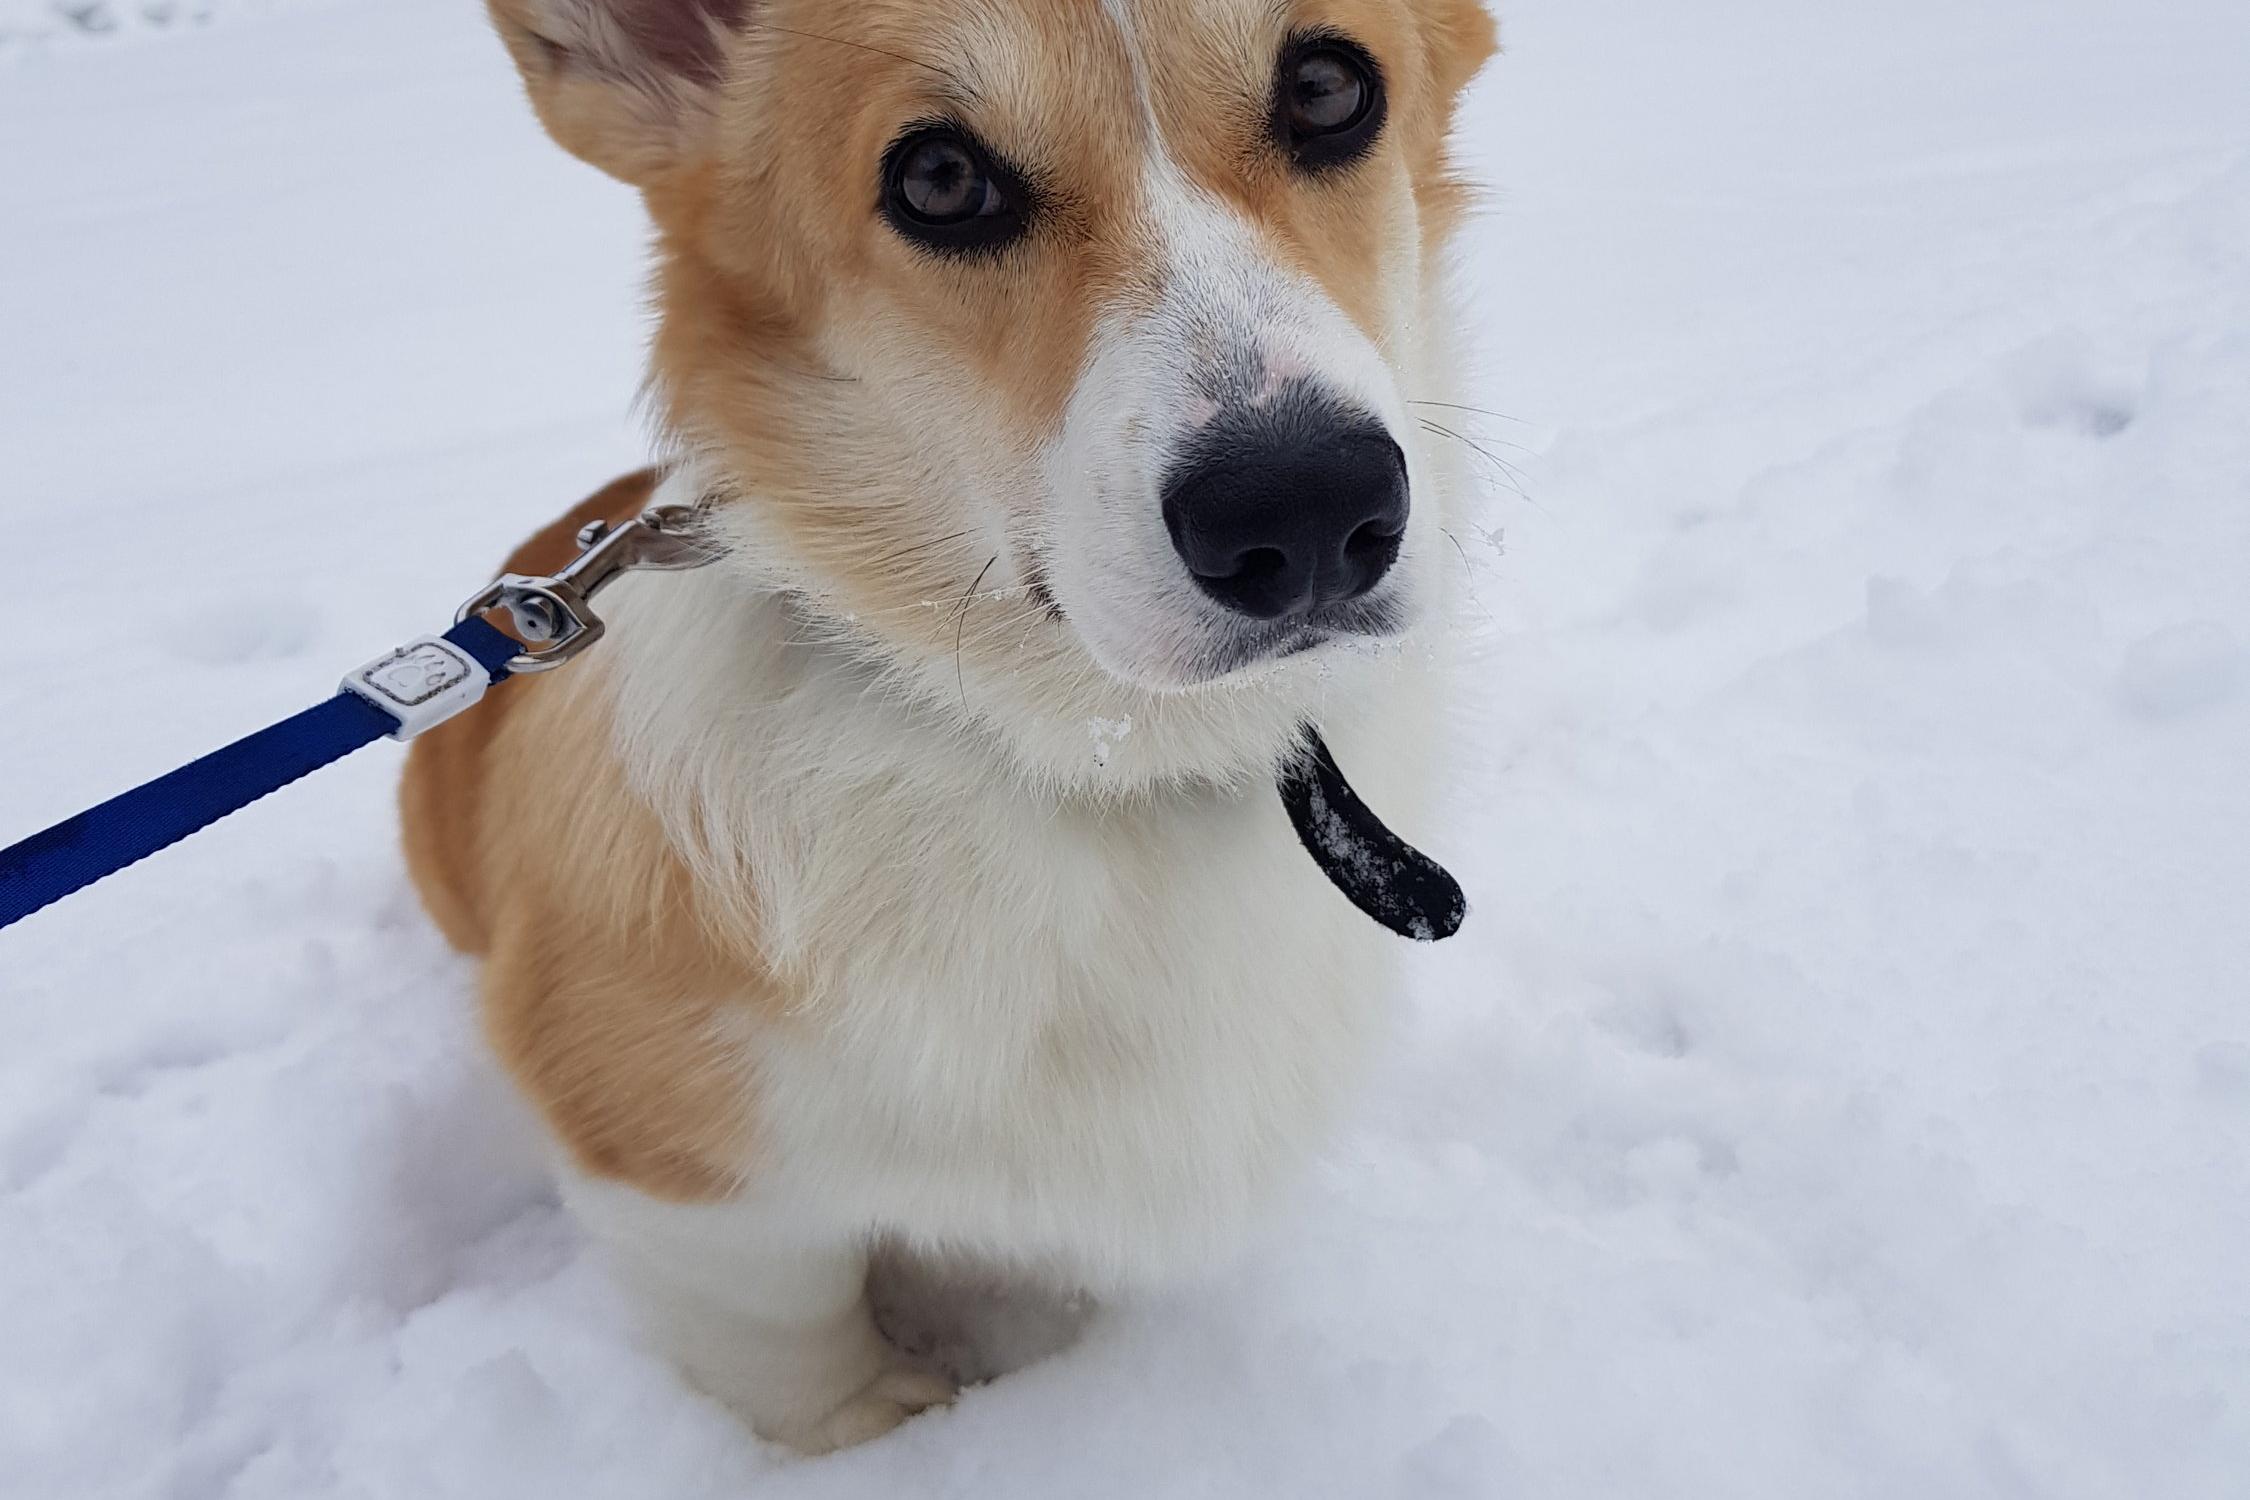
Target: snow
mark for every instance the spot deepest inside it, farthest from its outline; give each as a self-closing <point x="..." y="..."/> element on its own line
<point x="48" y="22"/>
<point x="1842" y="1088"/>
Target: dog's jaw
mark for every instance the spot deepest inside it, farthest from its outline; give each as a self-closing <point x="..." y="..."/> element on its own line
<point x="1024" y="692"/>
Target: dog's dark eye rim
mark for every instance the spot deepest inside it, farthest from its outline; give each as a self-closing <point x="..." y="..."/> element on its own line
<point x="1337" y="146"/>
<point x="1008" y="201"/>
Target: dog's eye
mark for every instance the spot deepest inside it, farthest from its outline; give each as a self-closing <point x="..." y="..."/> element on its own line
<point x="945" y="192"/>
<point x="939" y="182"/>
<point x="1328" y="102"/>
<point x="1327" y="93"/>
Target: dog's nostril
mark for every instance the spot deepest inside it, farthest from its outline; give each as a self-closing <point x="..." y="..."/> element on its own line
<point x="1259" y="565"/>
<point x="1377" y="541"/>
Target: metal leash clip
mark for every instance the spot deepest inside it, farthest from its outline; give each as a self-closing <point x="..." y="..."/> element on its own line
<point x="554" y="615"/>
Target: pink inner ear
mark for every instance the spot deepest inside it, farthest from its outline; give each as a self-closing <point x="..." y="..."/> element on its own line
<point x="681" y="37"/>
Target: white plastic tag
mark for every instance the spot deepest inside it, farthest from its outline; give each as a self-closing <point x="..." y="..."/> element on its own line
<point x="421" y="684"/>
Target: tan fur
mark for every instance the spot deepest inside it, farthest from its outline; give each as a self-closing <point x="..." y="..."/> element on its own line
<point x="445" y="769"/>
<point x="568" y="56"/>
<point x="603" y="994"/>
<point x="786" y="317"/>
<point x="773" y="274"/>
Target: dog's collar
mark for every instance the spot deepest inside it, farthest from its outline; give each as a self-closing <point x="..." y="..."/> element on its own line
<point x="1378" y="872"/>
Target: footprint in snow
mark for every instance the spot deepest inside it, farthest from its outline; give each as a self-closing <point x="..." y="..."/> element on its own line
<point x="2061" y="384"/>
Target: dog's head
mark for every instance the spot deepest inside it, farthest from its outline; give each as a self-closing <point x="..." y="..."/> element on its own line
<point x="1060" y="350"/>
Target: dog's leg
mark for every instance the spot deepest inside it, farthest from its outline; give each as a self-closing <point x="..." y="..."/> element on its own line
<point x="763" y="1315"/>
<point x="973" y="1321"/>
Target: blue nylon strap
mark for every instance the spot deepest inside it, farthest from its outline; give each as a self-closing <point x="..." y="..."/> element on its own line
<point x="127" y="829"/>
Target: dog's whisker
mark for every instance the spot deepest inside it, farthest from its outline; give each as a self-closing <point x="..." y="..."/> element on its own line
<point x="961" y="627"/>
<point x="1495" y="459"/>
<point x="1436" y="430"/>
<point x="1508" y="472"/>
<point x="817" y="375"/>
<point x="956" y="602"/>
<point x="919" y="547"/>
<point x="1469" y="570"/>
<point x="1482" y="411"/>
<point x="832" y="609"/>
<point x="1032" y="619"/>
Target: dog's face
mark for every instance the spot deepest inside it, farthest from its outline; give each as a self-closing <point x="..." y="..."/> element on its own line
<point x="1043" y="335"/>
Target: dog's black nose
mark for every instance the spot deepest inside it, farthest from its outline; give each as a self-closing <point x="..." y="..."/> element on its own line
<point x="1279" y="512"/>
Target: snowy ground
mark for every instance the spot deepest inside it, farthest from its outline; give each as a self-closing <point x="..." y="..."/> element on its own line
<point x="1842" y="1090"/>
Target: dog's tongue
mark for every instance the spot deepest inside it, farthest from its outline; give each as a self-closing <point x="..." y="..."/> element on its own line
<point x="1383" y="875"/>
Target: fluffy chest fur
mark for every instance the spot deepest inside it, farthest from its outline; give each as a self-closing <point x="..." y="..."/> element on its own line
<point x="1081" y="1031"/>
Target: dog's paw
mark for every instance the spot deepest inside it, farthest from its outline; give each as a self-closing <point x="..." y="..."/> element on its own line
<point x="884" y="1402"/>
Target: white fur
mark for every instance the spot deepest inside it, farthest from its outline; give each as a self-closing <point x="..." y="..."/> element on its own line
<point x="764" y="1305"/>
<point x="1232" y="325"/>
<point x="1035" y="1027"/>
<point x="1069" y="997"/>
<point x="1085" y="1037"/>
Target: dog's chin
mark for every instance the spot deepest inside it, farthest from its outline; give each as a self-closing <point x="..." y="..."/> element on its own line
<point x="1224" y="653"/>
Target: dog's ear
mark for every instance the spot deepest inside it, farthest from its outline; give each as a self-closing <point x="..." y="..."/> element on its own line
<point x="625" y="84"/>
<point x="1463" y="38"/>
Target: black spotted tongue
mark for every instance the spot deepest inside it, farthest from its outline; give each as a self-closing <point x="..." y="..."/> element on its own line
<point x="1379" y="872"/>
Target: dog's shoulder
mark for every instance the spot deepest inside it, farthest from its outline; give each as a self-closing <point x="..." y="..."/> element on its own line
<point x="605" y="992"/>
<point x="442" y="792"/>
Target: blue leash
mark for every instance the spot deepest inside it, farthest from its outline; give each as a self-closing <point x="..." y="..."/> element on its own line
<point x="426" y="682"/>
<point x="127" y="829"/>
<point x="399" y="695"/>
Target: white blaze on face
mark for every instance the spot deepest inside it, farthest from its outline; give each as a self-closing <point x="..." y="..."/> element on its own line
<point x="1230" y="330"/>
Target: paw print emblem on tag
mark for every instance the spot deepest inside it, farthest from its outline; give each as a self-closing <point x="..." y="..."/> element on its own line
<point x="421" y="684"/>
<point x="415" y="674"/>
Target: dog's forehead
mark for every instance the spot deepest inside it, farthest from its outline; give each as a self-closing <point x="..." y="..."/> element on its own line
<point x="1037" y="61"/>
<point x="1143" y="124"/>
<point x="1092" y="32"/>
<point x="1074" y="85"/>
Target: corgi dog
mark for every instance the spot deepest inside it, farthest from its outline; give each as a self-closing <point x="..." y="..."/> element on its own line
<point x="910" y="882"/>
